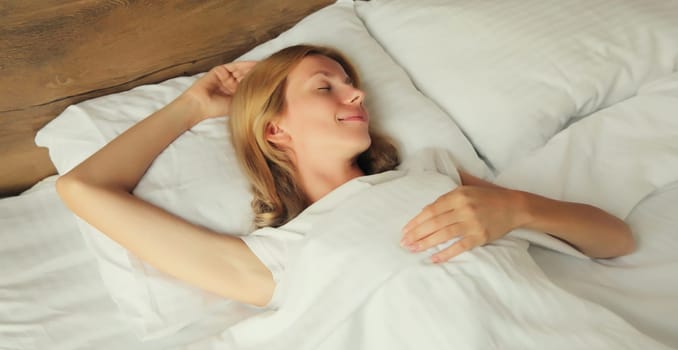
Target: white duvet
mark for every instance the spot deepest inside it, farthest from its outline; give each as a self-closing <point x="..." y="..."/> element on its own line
<point x="350" y="285"/>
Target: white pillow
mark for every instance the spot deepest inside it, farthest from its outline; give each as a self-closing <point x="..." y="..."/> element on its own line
<point x="512" y="73"/>
<point x="198" y="178"/>
<point x="612" y="159"/>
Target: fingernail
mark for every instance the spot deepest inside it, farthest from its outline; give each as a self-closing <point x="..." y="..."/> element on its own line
<point x="413" y="247"/>
<point x="435" y="259"/>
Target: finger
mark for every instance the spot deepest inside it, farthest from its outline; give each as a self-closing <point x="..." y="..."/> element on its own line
<point x="440" y="236"/>
<point x="223" y="74"/>
<point x="464" y="244"/>
<point x="240" y="68"/>
<point x="238" y="71"/>
<point x="237" y="74"/>
<point x="442" y="204"/>
<point x="427" y="213"/>
<point x="241" y="64"/>
<point x="227" y="82"/>
<point x="427" y="227"/>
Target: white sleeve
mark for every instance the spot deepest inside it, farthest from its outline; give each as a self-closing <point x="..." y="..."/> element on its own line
<point x="271" y="245"/>
<point x="270" y="249"/>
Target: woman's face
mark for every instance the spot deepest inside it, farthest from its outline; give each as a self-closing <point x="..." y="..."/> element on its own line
<point x="324" y="114"/>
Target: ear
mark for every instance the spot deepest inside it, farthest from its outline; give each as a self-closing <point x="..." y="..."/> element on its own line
<point x="276" y="134"/>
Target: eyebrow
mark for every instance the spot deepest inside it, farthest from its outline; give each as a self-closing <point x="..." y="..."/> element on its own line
<point x="348" y="79"/>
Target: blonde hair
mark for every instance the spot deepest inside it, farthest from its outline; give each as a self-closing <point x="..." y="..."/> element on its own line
<point x="260" y="97"/>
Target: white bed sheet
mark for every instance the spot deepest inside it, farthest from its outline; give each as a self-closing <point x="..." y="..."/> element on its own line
<point x="641" y="287"/>
<point x="51" y="293"/>
<point x="51" y="296"/>
<point x="348" y="285"/>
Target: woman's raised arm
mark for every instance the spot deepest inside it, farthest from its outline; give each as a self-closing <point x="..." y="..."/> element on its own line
<point x="99" y="190"/>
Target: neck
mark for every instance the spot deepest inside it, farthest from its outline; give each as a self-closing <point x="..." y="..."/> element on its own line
<point x="322" y="178"/>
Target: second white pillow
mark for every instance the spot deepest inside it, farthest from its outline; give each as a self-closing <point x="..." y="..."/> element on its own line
<point x="513" y="73"/>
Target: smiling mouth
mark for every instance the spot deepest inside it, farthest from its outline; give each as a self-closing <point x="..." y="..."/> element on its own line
<point x="353" y="118"/>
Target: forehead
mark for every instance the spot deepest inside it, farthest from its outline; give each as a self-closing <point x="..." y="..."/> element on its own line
<point x="311" y="65"/>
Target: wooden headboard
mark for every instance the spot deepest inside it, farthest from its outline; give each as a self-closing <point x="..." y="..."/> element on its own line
<point x="54" y="53"/>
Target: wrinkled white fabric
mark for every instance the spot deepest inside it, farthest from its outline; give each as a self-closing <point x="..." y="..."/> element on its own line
<point x="273" y="245"/>
<point x="349" y="284"/>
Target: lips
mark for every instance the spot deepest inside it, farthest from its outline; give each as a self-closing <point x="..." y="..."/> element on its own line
<point x="352" y="118"/>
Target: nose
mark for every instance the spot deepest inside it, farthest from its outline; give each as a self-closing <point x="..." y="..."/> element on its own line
<point x="355" y="96"/>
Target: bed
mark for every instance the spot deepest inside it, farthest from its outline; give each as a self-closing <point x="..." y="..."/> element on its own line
<point x="575" y="101"/>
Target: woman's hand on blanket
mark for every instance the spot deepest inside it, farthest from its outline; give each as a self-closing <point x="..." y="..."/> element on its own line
<point x="214" y="90"/>
<point x="476" y="215"/>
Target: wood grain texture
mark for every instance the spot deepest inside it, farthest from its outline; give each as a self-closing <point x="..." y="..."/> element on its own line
<point x="54" y="53"/>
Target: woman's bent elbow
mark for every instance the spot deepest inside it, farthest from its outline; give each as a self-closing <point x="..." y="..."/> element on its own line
<point x="69" y="189"/>
<point x="624" y="244"/>
<point x="629" y="244"/>
<point x="63" y="186"/>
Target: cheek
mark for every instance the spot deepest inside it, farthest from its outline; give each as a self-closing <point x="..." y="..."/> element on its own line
<point x="312" y="115"/>
<point x="320" y="108"/>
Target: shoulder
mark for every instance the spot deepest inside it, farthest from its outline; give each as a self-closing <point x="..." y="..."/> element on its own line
<point x="432" y="159"/>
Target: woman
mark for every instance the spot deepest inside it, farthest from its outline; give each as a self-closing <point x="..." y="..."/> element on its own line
<point x="300" y="130"/>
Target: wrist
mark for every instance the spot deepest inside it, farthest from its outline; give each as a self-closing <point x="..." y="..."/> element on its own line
<point x="190" y="109"/>
<point x="524" y="215"/>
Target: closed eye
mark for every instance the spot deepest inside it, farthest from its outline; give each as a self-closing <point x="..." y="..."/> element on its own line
<point x="325" y="88"/>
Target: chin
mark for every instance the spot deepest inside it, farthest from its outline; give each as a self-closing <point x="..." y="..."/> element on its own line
<point x="366" y="143"/>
